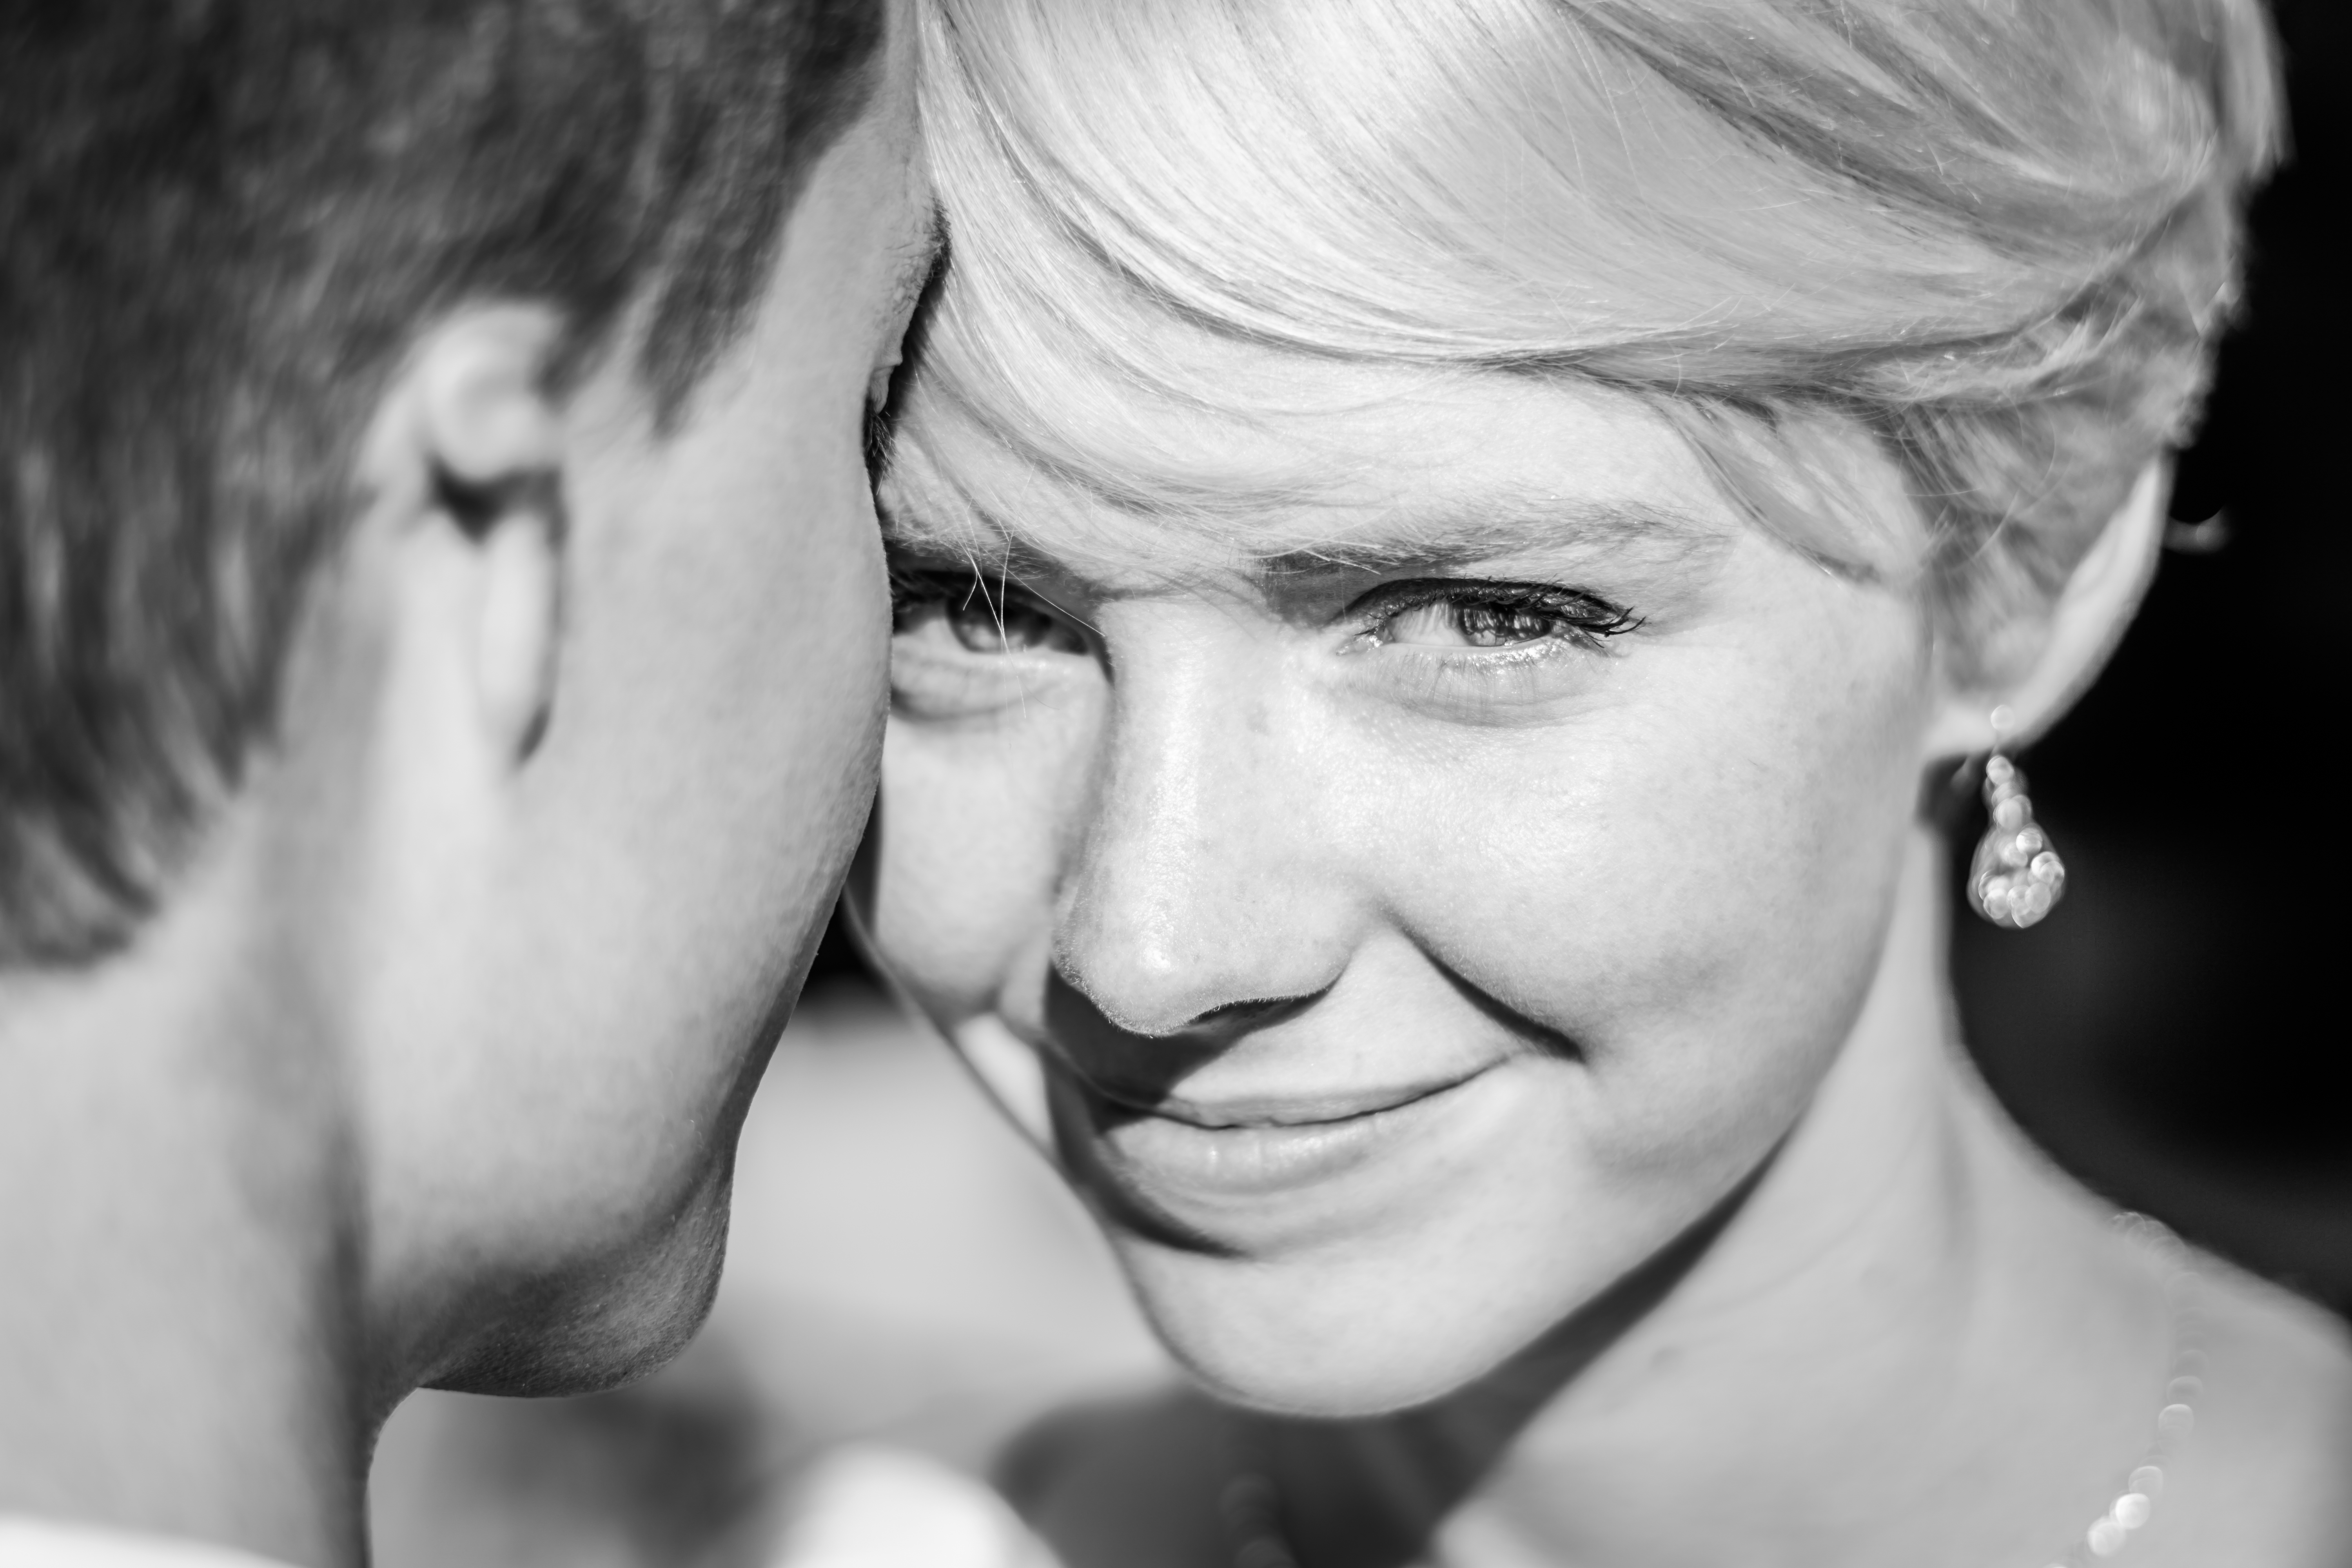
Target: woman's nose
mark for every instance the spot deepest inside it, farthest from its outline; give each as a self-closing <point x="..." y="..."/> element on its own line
<point x="1205" y="888"/>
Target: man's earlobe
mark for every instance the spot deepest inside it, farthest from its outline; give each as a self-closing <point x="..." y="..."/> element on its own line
<point x="468" y="455"/>
<point x="2090" y="616"/>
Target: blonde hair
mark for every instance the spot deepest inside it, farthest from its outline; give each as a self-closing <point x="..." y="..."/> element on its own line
<point x="1997" y="235"/>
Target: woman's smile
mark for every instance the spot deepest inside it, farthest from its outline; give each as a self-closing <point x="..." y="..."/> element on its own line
<point x="1251" y="1146"/>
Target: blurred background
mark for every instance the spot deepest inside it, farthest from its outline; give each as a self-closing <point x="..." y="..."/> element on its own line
<point x="903" y="1269"/>
<point x="2175" y="1033"/>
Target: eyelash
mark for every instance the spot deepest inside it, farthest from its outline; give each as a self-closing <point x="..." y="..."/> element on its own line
<point x="1579" y="621"/>
<point x="915" y="588"/>
<point x="1586" y="620"/>
<point x="1004" y="604"/>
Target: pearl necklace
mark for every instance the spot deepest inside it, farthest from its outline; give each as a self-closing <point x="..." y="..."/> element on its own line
<point x="1251" y="1503"/>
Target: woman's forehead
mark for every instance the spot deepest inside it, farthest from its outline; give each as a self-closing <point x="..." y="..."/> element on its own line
<point x="1356" y="466"/>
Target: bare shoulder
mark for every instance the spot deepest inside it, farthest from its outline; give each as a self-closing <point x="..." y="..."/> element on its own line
<point x="2266" y="1480"/>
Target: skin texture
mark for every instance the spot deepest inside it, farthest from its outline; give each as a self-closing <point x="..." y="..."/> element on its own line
<point x="1611" y="958"/>
<point x="1628" y="896"/>
<point x="667" y="857"/>
<point x="432" y="1070"/>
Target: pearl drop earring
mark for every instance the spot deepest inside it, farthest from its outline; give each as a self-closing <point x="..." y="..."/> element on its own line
<point x="2016" y="878"/>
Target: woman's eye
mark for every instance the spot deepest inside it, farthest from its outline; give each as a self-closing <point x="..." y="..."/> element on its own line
<point x="1492" y="616"/>
<point x="981" y="617"/>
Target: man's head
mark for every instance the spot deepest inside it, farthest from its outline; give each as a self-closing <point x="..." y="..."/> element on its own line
<point x="440" y="615"/>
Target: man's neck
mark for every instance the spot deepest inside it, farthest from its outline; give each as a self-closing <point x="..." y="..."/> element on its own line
<point x="175" y="1342"/>
<point x="1881" y="1354"/>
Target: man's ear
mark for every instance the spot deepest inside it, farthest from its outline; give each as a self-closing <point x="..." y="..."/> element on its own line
<point x="2088" y="619"/>
<point x="463" y="470"/>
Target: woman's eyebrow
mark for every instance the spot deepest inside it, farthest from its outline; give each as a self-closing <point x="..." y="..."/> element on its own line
<point x="1459" y="533"/>
<point x="1503" y="522"/>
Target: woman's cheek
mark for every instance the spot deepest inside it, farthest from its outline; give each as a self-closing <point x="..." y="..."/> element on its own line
<point x="1686" y="888"/>
<point x="966" y="841"/>
<point x="1769" y="879"/>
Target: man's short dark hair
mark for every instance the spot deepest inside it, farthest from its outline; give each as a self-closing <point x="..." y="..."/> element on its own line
<point x="221" y="224"/>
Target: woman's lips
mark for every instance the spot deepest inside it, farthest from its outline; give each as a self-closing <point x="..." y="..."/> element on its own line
<point x="1255" y="1147"/>
<point x="1232" y="1111"/>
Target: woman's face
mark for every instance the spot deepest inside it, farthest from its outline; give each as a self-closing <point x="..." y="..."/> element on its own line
<point x="1405" y="938"/>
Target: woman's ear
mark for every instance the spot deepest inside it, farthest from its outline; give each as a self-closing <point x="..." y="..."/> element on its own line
<point x="463" y="471"/>
<point x="2088" y="619"/>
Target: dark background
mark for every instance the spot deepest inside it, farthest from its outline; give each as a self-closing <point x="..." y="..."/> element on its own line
<point x="2174" y="1032"/>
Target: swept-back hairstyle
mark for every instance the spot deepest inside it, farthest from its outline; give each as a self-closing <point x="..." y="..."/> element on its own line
<point x="221" y="224"/>
<point x="1995" y="236"/>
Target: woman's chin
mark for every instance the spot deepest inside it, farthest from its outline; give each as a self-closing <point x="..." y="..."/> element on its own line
<point x="1354" y="1265"/>
<point x="1324" y="1342"/>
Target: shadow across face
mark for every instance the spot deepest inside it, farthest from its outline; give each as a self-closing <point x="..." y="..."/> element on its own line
<point x="1140" y="1071"/>
<point x="1101" y="1076"/>
<point x="1372" y="1492"/>
<point x="1105" y="1484"/>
